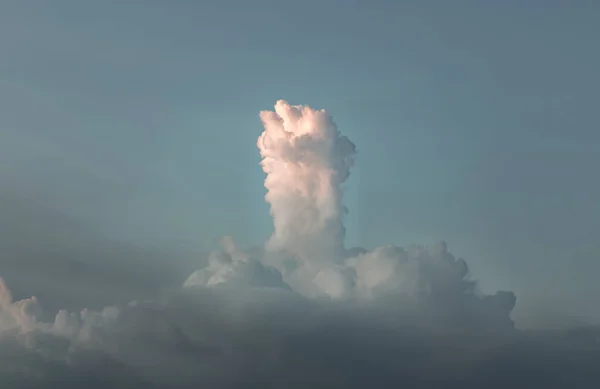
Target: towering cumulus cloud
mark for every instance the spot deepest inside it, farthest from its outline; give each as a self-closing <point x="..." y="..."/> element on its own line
<point x="304" y="311"/>
<point x="306" y="160"/>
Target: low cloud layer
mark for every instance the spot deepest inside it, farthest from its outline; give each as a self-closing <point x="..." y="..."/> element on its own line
<point x="305" y="311"/>
<point x="242" y="337"/>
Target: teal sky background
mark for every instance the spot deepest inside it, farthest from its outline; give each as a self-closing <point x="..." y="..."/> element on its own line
<point x="476" y="123"/>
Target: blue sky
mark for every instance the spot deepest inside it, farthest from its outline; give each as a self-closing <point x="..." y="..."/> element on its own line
<point x="476" y="122"/>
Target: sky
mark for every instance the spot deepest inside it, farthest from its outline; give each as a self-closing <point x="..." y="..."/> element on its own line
<point x="474" y="121"/>
<point x="135" y="135"/>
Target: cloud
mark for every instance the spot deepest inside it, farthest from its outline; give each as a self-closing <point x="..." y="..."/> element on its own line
<point x="16" y="315"/>
<point x="304" y="311"/>
<point x="224" y="337"/>
<point x="306" y="160"/>
<point x="233" y="266"/>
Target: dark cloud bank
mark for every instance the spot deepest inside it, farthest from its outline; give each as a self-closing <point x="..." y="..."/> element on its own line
<point x="255" y="338"/>
<point x="305" y="312"/>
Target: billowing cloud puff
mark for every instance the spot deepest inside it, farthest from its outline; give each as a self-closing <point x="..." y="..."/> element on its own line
<point x="306" y="160"/>
<point x="233" y="266"/>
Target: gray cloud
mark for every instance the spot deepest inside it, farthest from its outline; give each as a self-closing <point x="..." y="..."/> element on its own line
<point x="227" y="337"/>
